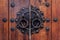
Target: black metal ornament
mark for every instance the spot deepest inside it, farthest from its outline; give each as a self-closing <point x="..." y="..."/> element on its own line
<point x="23" y="20"/>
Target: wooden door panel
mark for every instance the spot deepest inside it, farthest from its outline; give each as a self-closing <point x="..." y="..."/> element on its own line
<point x="48" y="16"/>
<point x="8" y="30"/>
<point x="3" y="14"/>
<point x="19" y="4"/>
<point x="43" y="35"/>
<point x="55" y="25"/>
<point x="58" y="17"/>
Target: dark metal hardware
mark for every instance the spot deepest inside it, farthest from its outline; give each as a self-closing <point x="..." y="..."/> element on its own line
<point x="23" y="23"/>
<point x="12" y="29"/>
<point x="37" y="20"/>
<point x="41" y="13"/>
<point x="36" y="31"/>
<point x="47" y="29"/>
<point x="36" y="23"/>
<point x="16" y="20"/>
<point x="12" y="4"/>
<point x="4" y="20"/>
<point x="18" y="14"/>
<point x="12" y="20"/>
<point x="43" y="19"/>
<point x="47" y="4"/>
<point x="55" y="19"/>
<point x="41" y="26"/>
<point x="47" y="20"/>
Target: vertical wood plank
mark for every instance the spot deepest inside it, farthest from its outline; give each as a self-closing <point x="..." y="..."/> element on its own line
<point x="5" y="15"/>
<point x="1" y="23"/>
<point x="43" y="8"/>
<point x="16" y="35"/>
<point x="54" y="24"/>
<point x="43" y="35"/>
<point x="19" y="5"/>
<point x="58" y="17"/>
<point x="11" y="11"/>
<point x="49" y="16"/>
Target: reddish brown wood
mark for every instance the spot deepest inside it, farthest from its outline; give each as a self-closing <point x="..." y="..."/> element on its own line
<point x="4" y="14"/>
<point x="1" y="24"/>
<point x="58" y="16"/>
<point x="54" y="24"/>
<point x="16" y="35"/>
<point x="51" y="12"/>
<point x="49" y="16"/>
<point x="11" y="33"/>
<point x="43" y="35"/>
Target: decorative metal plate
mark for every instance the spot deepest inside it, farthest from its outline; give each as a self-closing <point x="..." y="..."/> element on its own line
<point x="36" y="20"/>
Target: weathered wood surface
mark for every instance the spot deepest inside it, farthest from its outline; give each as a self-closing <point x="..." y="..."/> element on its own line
<point x="51" y="12"/>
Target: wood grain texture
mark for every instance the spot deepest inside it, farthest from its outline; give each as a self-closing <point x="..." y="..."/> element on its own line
<point x="58" y="16"/>
<point x="16" y="35"/>
<point x="51" y="12"/>
<point x="11" y="12"/>
<point x="43" y="35"/>
<point x="4" y="12"/>
<point x="54" y="24"/>
<point x="19" y="5"/>
<point x="1" y="24"/>
<point x="49" y="16"/>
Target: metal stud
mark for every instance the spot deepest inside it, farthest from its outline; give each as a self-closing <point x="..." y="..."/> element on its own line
<point x="47" y="20"/>
<point x="55" y="19"/>
<point x="12" y="4"/>
<point x="4" y="20"/>
<point x="16" y="20"/>
<point x="47" y="29"/>
<point x="12" y="28"/>
<point x="12" y="20"/>
<point x="47" y="4"/>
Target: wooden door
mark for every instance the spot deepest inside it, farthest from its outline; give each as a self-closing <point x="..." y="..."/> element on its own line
<point x="45" y="33"/>
<point x="9" y="12"/>
<point x="15" y="6"/>
<point x="4" y="20"/>
<point x="55" y="19"/>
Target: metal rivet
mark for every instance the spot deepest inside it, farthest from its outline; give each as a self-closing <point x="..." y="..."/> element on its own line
<point x="12" y="20"/>
<point x="55" y="19"/>
<point x="47" y="20"/>
<point x="16" y="20"/>
<point x="4" y="20"/>
<point x="47" y="4"/>
<point x="47" y="29"/>
<point x="37" y="31"/>
<point x="12" y="29"/>
<point x="12" y="4"/>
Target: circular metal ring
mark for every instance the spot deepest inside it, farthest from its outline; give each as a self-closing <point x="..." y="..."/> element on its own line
<point x="36" y="23"/>
<point x="36" y="13"/>
<point x="23" y="23"/>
